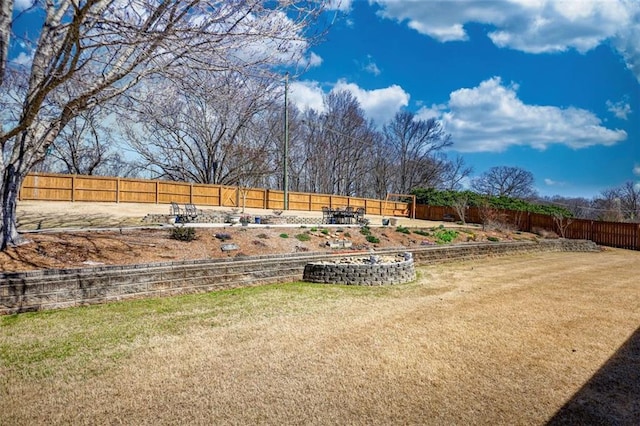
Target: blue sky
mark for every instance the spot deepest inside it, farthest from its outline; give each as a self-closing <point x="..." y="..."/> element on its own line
<point x="549" y="86"/>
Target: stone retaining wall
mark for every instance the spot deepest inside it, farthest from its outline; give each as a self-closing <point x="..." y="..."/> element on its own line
<point x="360" y="274"/>
<point x="222" y="217"/>
<point x="54" y="289"/>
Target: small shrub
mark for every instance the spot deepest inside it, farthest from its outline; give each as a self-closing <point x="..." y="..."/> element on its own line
<point x="494" y="239"/>
<point x="183" y="234"/>
<point x="325" y="231"/>
<point x="445" y="236"/>
<point x="284" y="235"/>
<point x="314" y="229"/>
<point x="365" y="230"/>
<point x="263" y="236"/>
<point x="403" y="230"/>
<point x="347" y="234"/>
<point x="421" y="232"/>
<point x="373" y="239"/>
<point x="303" y="237"/>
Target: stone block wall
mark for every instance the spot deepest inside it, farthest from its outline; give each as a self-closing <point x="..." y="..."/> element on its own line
<point x="54" y="289"/>
<point x="360" y="274"/>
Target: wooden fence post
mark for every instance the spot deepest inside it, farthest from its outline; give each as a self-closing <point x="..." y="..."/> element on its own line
<point x="73" y="188"/>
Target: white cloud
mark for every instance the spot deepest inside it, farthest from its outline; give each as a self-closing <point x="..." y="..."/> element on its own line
<point x="533" y="26"/>
<point x="342" y="5"/>
<point x="551" y="182"/>
<point x="314" y="60"/>
<point x="491" y="118"/>
<point x="23" y="4"/>
<point x="379" y="105"/>
<point x="23" y="59"/>
<point x="307" y="95"/>
<point x="620" y="109"/>
<point x="636" y="169"/>
<point x="371" y="67"/>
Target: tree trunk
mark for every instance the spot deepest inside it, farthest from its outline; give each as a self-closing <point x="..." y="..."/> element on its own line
<point x="10" y="186"/>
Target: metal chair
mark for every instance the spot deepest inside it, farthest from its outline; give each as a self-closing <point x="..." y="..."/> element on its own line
<point x="326" y="214"/>
<point x="348" y="214"/>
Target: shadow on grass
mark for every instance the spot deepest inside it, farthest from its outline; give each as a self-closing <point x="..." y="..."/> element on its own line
<point x="611" y="396"/>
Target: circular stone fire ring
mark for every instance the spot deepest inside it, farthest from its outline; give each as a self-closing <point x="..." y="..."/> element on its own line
<point x="370" y="270"/>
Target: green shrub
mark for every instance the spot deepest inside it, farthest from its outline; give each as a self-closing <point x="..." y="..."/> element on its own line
<point x="263" y="236"/>
<point x="403" y="230"/>
<point x="365" y="230"/>
<point x="325" y="231"/>
<point x="445" y="236"/>
<point x="421" y="232"/>
<point x="183" y="234"/>
<point x="314" y="229"/>
<point x="494" y="239"/>
<point x="347" y="234"/>
<point x="303" y="237"/>
<point x="284" y="235"/>
<point x="373" y="239"/>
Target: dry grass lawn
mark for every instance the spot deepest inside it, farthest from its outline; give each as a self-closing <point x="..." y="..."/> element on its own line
<point x="500" y="341"/>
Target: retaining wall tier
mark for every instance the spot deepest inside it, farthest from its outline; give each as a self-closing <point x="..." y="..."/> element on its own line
<point x="356" y="272"/>
<point x="62" y="288"/>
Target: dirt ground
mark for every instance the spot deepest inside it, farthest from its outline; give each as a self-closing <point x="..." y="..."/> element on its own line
<point x="76" y="235"/>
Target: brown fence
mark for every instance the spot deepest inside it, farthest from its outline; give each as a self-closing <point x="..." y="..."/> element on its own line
<point x="59" y="187"/>
<point x="611" y="234"/>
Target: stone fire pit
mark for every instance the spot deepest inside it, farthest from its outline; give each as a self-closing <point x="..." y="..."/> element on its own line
<point x="369" y="270"/>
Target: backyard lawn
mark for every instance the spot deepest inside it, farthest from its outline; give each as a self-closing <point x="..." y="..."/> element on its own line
<point x="508" y="340"/>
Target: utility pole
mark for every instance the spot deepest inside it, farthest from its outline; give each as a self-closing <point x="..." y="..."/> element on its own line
<point x="285" y="165"/>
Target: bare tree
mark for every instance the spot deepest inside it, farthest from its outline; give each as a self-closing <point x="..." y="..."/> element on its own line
<point x="454" y="173"/>
<point x="340" y="143"/>
<point x="414" y="144"/>
<point x="505" y="181"/>
<point x="460" y="205"/>
<point x="94" y="51"/>
<point x="85" y="147"/>
<point x="619" y="204"/>
<point x="211" y="136"/>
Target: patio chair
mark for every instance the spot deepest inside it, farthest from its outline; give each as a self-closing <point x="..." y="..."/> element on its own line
<point x="326" y="215"/>
<point x="175" y="210"/>
<point x="359" y="215"/>
<point x="349" y="214"/>
<point x="191" y="212"/>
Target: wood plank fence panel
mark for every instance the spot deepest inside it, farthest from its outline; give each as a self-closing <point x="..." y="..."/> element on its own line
<point x="138" y="191"/>
<point x="339" y="201"/>
<point x="177" y="192"/>
<point x="614" y="234"/>
<point x="251" y="198"/>
<point x="206" y="195"/>
<point x="47" y="188"/>
<point x="318" y="201"/>
<point x="95" y="189"/>
<point x="275" y="200"/>
<point x="299" y="201"/>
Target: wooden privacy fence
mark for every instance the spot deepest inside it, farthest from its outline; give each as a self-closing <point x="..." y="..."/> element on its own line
<point x="60" y="187"/>
<point x="611" y="234"/>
